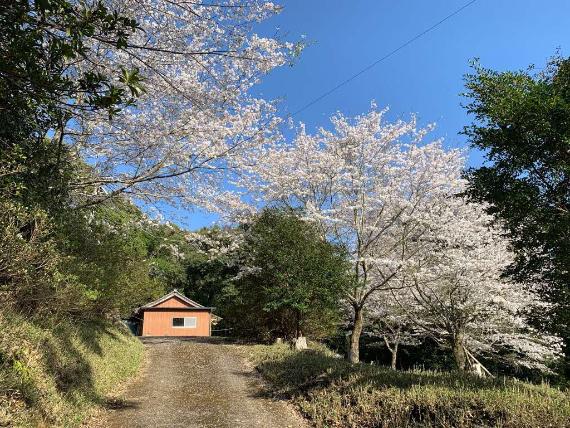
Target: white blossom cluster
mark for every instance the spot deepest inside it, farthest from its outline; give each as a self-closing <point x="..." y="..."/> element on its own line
<point x="420" y="252"/>
<point x="216" y="243"/>
<point x="456" y="289"/>
<point x="197" y="137"/>
<point x="195" y="121"/>
<point x="368" y="184"/>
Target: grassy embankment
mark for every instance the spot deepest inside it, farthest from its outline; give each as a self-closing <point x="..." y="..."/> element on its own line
<point x="55" y="373"/>
<point x="333" y="393"/>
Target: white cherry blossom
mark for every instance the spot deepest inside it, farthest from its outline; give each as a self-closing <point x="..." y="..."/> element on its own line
<point x="196" y="120"/>
<point x="391" y="198"/>
<point x="368" y="184"/>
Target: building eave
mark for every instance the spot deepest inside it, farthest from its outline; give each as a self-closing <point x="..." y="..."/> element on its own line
<point x="174" y="293"/>
<point x="204" y="308"/>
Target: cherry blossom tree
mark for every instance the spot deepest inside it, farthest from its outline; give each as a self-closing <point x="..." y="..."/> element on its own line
<point x="389" y="319"/>
<point x="194" y="120"/>
<point x="457" y="293"/>
<point x="368" y="184"/>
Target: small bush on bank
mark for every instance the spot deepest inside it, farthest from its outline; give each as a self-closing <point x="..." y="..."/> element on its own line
<point x="333" y="393"/>
<point x="52" y="372"/>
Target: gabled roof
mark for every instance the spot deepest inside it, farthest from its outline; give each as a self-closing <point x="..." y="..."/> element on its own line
<point x="177" y="294"/>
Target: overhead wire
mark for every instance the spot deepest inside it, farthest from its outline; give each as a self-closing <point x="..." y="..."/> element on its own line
<point x="383" y="58"/>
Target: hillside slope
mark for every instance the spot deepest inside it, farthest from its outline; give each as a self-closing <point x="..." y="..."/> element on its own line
<point x="53" y="372"/>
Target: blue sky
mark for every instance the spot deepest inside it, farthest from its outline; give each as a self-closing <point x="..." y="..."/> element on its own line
<point x="425" y="78"/>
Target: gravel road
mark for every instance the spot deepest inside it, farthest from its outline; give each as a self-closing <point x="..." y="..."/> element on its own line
<point x="198" y="383"/>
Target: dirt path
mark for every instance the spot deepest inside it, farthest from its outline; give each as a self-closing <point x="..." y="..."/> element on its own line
<point x="192" y="383"/>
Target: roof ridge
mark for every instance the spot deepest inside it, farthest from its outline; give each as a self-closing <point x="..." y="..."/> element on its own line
<point x="173" y="293"/>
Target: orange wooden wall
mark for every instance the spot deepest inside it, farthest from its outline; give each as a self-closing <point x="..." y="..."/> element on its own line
<point x="159" y="323"/>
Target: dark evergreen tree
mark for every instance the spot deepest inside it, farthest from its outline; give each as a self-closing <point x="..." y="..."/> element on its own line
<point x="522" y="126"/>
<point x="292" y="279"/>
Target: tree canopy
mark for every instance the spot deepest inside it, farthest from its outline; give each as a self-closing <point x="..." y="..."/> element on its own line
<point x="522" y="125"/>
<point x="290" y="280"/>
<point x="46" y="81"/>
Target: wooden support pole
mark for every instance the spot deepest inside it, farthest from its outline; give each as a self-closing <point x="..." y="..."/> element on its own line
<point x="473" y="361"/>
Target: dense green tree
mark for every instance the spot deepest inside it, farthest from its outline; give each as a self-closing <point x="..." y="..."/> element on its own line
<point x="291" y="280"/>
<point x="522" y="126"/>
<point x="88" y="264"/>
<point x="107" y="250"/>
<point x="45" y="82"/>
<point x="209" y="281"/>
<point x="70" y="258"/>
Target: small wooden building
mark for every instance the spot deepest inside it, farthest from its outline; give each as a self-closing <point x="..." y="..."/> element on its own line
<point x="175" y="315"/>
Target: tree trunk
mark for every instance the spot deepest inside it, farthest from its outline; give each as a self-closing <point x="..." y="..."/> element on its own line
<point x="394" y="352"/>
<point x="354" y="351"/>
<point x="459" y="351"/>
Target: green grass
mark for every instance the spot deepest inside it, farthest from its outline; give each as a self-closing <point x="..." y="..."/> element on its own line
<point x="53" y="373"/>
<point x="333" y="393"/>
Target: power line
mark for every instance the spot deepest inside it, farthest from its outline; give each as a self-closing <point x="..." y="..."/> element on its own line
<point x="388" y="55"/>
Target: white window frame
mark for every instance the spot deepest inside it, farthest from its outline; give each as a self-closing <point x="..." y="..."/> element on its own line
<point x="189" y="322"/>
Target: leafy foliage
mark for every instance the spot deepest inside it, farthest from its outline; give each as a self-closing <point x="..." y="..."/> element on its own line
<point x="91" y="264"/>
<point x="522" y="125"/>
<point x="273" y="277"/>
<point x="29" y="274"/>
<point x="212" y="267"/>
<point x="292" y="275"/>
<point x="45" y="82"/>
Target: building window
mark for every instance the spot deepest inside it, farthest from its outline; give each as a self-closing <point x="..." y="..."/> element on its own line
<point x="186" y="322"/>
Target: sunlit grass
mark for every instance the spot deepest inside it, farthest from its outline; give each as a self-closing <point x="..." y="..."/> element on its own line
<point x="333" y="393"/>
<point x="52" y="373"/>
